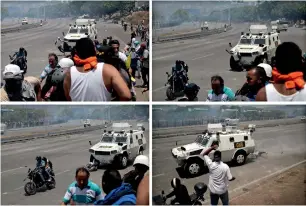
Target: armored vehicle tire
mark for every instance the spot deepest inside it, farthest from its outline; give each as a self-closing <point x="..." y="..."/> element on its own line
<point x="170" y="94"/>
<point x="234" y="65"/>
<point x="122" y="161"/>
<point x="240" y="158"/>
<point x="193" y="167"/>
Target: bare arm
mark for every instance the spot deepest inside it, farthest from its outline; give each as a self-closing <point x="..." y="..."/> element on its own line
<point x="143" y="194"/>
<point x="67" y="85"/>
<point x="261" y="95"/>
<point x="118" y="84"/>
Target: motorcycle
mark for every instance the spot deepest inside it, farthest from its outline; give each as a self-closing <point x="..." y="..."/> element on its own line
<point x="200" y="189"/>
<point x="21" y="62"/>
<point x="191" y="92"/>
<point x="176" y="84"/>
<point x="35" y="182"/>
<point x="93" y="165"/>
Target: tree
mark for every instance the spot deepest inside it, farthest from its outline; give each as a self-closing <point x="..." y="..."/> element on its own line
<point x="180" y="15"/>
<point x="4" y="13"/>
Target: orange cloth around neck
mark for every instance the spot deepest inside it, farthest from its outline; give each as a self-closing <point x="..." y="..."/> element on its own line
<point x="88" y="64"/>
<point x="292" y="80"/>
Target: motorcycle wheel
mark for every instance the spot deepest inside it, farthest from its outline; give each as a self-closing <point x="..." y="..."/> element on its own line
<point x="30" y="188"/>
<point x="52" y="184"/>
<point x="170" y="94"/>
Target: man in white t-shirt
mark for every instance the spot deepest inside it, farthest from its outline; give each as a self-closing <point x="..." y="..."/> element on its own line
<point x="116" y="45"/>
<point x="219" y="175"/>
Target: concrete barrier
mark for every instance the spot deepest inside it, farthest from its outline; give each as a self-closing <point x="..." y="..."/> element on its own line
<point x="21" y="28"/>
<point x="189" y="35"/>
<point x="192" y="130"/>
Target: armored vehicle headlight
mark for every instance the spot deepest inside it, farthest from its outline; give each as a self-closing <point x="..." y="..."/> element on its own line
<point x="114" y="152"/>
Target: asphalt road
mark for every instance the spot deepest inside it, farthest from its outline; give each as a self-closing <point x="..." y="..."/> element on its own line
<point x="66" y="152"/>
<point x="284" y="145"/>
<point x="39" y="42"/>
<point x="206" y="57"/>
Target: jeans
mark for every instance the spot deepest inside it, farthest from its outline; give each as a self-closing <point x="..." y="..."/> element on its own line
<point x="214" y="198"/>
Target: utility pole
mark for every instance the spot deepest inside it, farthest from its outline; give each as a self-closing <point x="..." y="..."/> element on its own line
<point x="45" y="12"/>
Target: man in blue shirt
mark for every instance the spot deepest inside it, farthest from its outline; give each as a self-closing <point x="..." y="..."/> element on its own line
<point x="117" y="192"/>
<point x="82" y="191"/>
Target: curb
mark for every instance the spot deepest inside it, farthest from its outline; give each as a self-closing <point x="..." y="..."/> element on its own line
<point x="20" y="28"/>
<point x="49" y="134"/>
<point x="199" y="130"/>
<point x="189" y="36"/>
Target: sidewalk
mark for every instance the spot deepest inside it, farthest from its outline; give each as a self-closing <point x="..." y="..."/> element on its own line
<point x="288" y="188"/>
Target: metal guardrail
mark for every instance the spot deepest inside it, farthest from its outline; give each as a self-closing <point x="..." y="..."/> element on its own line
<point x="189" y="35"/>
<point x="23" y="138"/>
<point x="192" y="130"/>
<point x="20" y="28"/>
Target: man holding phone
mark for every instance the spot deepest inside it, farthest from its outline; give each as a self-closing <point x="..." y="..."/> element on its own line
<point x="219" y="175"/>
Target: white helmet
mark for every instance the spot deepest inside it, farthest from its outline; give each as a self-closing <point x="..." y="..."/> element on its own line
<point x="267" y="68"/>
<point x="66" y="63"/>
<point x="142" y="160"/>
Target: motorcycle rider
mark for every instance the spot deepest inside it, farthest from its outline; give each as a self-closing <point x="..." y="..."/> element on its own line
<point x="181" y="67"/>
<point x="21" y="59"/>
<point x="180" y="192"/>
<point x="19" y="88"/>
<point x="41" y="164"/>
<point x="134" y="177"/>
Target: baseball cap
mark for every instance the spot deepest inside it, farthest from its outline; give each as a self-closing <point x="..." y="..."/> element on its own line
<point x="267" y="68"/>
<point x="12" y="71"/>
<point x="66" y="63"/>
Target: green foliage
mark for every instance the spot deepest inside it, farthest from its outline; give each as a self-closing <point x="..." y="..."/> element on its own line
<point x="77" y="8"/>
<point x="267" y="11"/>
<point x="180" y="15"/>
<point x="4" y="13"/>
<point x="21" y="114"/>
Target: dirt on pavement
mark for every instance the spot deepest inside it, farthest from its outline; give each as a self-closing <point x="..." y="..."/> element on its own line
<point x="287" y="188"/>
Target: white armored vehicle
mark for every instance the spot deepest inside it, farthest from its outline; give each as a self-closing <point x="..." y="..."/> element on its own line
<point x="234" y="144"/>
<point x="24" y="21"/>
<point x="82" y="28"/>
<point x="87" y="123"/>
<point x="255" y="47"/>
<point x="118" y="145"/>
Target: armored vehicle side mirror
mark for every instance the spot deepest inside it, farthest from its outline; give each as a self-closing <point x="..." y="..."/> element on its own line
<point x="90" y="143"/>
<point x="230" y="44"/>
<point x="105" y="131"/>
<point x="163" y="192"/>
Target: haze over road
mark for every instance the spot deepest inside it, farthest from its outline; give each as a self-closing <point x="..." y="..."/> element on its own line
<point x="66" y="153"/>
<point x="39" y="42"/>
<point x="285" y="146"/>
<point x="206" y="57"/>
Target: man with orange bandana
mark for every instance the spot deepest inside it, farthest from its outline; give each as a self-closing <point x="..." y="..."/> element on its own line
<point x="288" y="82"/>
<point x="90" y="80"/>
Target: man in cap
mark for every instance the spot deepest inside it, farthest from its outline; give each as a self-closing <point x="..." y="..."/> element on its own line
<point x="219" y="175"/>
<point x="17" y="87"/>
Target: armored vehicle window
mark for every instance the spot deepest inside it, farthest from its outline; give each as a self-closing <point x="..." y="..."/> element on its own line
<point x="140" y="142"/>
<point x="107" y="139"/>
<point x="231" y="139"/>
<point x="131" y="140"/>
<point x="121" y="139"/>
<point x="141" y="135"/>
<point x="136" y="136"/>
<point x="245" y="41"/>
<point x="73" y="31"/>
<point x="246" y="137"/>
<point x="260" y="41"/>
<point x="82" y="31"/>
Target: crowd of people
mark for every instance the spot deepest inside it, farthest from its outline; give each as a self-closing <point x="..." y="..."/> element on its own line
<point x="92" y="72"/>
<point x="131" y="189"/>
<point x="283" y="80"/>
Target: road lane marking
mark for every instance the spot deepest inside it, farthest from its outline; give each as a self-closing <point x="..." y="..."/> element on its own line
<point x="12" y="169"/>
<point x="163" y="57"/>
<point x="208" y="55"/>
<point x="158" y="175"/>
<point x="158" y="89"/>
